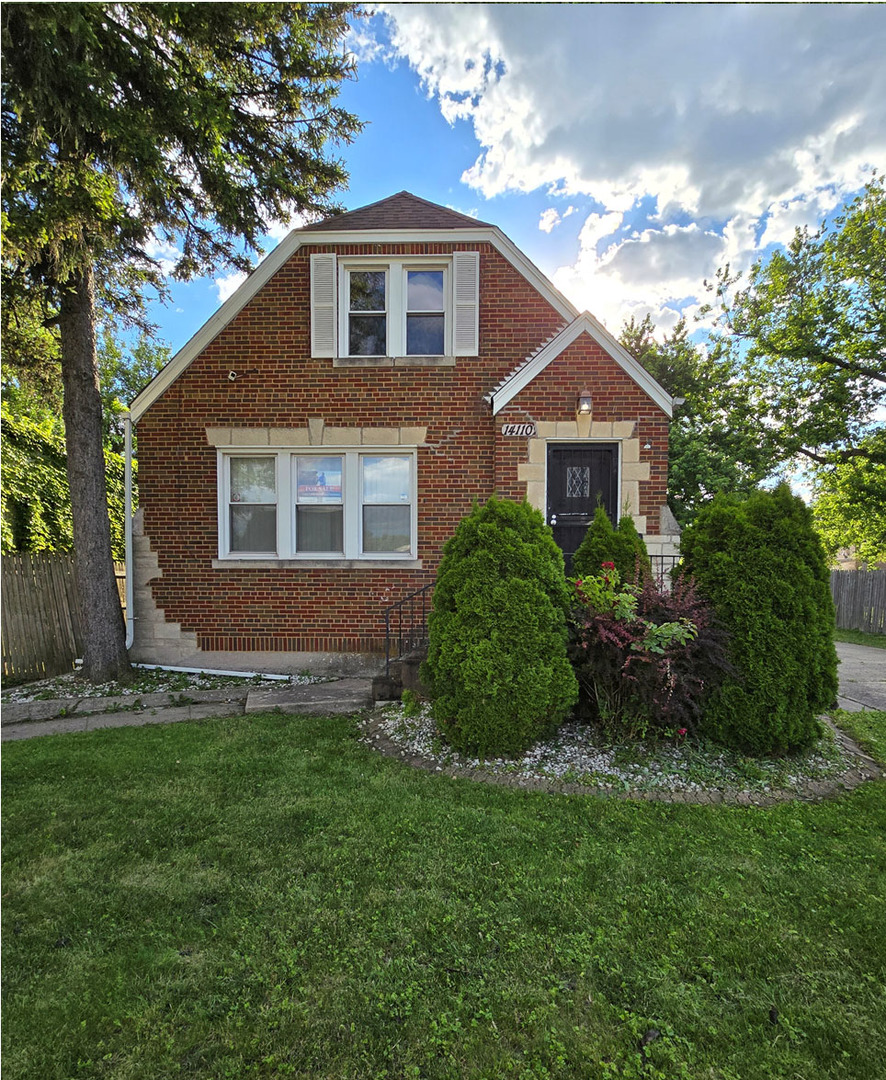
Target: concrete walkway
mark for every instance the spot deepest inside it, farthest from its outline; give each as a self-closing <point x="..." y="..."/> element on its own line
<point x="26" y="719"/>
<point x="862" y="677"/>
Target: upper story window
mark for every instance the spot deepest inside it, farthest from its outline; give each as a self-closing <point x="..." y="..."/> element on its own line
<point x="402" y="306"/>
<point x="425" y="313"/>
<point x="367" y="312"/>
<point x="397" y="310"/>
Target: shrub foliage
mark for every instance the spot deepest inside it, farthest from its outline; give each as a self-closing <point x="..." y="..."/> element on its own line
<point x="646" y="660"/>
<point x="622" y="546"/>
<point x="497" y="669"/>
<point x="761" y="564"/>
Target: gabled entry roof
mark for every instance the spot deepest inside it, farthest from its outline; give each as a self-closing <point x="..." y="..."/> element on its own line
<point x="585" y="323"/>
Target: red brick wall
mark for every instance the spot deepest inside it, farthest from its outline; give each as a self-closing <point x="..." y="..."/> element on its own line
<point x="306" y="609"/>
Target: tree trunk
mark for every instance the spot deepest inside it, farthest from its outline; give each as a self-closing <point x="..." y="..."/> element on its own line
<point x="104" y="635"/>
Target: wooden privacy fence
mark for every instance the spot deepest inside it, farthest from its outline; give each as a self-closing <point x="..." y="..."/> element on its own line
<point x="41" y="614"/>
<point x="860" y="599"/>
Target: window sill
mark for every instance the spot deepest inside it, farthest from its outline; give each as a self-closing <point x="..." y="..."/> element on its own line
<point x="393" y="361"/>
<point x="316" y="564"/>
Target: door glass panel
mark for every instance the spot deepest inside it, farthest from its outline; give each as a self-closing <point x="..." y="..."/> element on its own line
<point x="578" y="481"/>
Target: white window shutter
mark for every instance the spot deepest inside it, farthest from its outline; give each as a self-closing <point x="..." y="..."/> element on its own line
<point x="323" y="313"/>
<point x="466" y="291"/>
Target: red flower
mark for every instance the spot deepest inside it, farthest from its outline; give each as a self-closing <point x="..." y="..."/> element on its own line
<point x="608" y="565"/>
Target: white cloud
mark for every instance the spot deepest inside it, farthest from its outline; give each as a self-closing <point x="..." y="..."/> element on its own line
<point x="747" y="120"/>
<point x="164" y="253"/>
<point x="551" y="218"/>
<point x="228" y="284"/>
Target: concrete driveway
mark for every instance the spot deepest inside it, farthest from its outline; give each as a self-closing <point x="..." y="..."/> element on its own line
<point x="862" y="675"/>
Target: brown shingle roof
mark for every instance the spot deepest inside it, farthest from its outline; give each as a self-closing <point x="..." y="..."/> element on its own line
<point x="401" y="211"/>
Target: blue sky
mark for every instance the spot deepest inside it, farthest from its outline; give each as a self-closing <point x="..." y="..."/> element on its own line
<point x="628" y="150"/>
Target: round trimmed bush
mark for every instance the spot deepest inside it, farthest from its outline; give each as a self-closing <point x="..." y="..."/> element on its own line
<point x="497" y="669"/>
<point x="761" y="564"/>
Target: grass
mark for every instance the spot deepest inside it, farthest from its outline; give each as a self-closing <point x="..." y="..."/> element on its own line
<point x="859" y="637"/>
<point x="868" y="728"/>
<point x="265" y="897"/>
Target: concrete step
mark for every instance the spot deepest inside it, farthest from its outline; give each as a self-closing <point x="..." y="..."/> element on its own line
<point x="335" y="698"/>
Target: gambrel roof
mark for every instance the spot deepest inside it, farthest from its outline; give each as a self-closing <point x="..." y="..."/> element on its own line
<point x="395" y="219"/>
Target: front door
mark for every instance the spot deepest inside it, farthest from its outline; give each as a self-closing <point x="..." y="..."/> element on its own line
<point x="580" y="476"/>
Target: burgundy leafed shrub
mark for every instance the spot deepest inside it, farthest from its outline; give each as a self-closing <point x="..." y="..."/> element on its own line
<point x="646" y="660"/>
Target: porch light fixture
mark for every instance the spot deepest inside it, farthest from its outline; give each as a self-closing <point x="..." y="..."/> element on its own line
<point x="585" y="404"/>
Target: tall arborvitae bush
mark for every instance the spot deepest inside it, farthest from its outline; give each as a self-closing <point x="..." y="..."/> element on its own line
<point x="761" y="564"/>
<point x="623" y="547"/>
<point x="497" y="669"/>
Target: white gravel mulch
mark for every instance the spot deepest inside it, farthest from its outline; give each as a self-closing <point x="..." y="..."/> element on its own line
<point x="577" y="754"/>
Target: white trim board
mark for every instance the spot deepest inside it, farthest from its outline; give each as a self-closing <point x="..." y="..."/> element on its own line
<point x="303" y="237"/>
<point x="583" y="324"/>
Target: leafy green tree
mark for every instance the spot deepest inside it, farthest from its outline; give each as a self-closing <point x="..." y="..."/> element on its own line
<point x="123" y="374"/>
<point x="35" y="503"/>
<point x="193" y="124"/>
<point x="849" y="506"/>
<point x="808" y="334"/>
<point x="716" y="444"/>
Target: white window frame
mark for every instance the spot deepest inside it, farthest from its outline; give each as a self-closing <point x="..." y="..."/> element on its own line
<point x="225" y="504"/>
<point x="396" y="278"/>
<point x="352" y="501"/>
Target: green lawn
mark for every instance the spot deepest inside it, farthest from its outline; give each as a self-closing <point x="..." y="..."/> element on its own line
<point x="264" y="897"/>
<point x="859" y="637"/>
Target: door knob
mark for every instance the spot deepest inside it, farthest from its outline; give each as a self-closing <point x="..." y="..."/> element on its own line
<point x="553" y="519"/>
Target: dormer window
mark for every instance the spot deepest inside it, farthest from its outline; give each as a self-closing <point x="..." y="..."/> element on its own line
<point x="408" y="307"/>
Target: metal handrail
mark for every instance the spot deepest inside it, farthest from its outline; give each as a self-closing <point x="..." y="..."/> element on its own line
<point x="663" y="567"/>
<point x="407" y="622"/>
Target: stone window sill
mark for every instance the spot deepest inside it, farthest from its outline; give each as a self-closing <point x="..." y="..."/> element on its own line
<point x="316" y="564"/>
<point x="393" y="361"/>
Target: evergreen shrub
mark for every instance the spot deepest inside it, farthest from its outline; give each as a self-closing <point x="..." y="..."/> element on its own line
<point x="762" y="566"/>
<point x="622" y="546"/>
<point x="497" y="670"/>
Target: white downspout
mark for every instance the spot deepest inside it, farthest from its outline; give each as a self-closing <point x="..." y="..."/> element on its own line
<point x="127" y="530"/>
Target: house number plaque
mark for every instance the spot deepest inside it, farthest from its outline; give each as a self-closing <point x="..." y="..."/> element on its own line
<point x="526" y="431"/>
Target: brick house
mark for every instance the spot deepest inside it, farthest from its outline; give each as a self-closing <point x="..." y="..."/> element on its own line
<point x="305" y="456"/>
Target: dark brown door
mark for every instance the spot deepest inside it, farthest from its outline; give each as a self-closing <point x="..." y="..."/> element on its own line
<point x="580" y="476"/>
